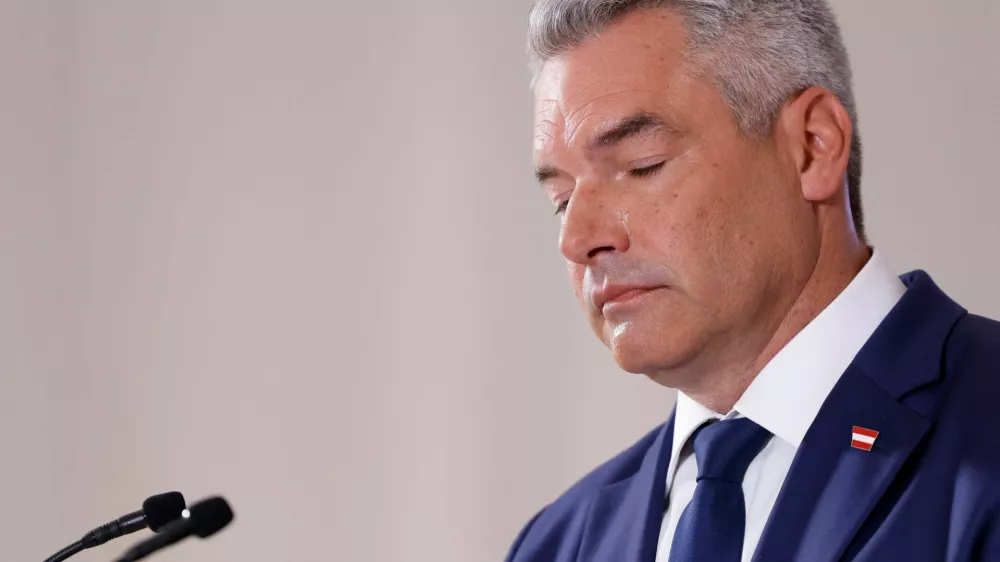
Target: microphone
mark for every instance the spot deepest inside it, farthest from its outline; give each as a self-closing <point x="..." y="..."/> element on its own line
<point x="203" y="520"/>
<point x="156" y="512"/>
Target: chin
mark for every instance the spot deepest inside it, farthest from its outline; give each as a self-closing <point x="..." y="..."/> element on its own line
<point x="649" y="351"/>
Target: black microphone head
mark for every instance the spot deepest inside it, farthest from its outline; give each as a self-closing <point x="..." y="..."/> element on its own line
<point x="162" y="509"/>
<point x="210" y="516"/>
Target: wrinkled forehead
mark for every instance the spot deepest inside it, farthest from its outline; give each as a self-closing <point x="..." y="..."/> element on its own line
<point x="636" y="65"/>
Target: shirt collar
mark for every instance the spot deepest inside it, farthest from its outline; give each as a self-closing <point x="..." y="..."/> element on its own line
<point x="787" y="394"/>
<point x="688" y="417"/>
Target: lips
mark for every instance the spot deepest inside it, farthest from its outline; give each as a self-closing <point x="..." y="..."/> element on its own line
<point x="613" y="294"/>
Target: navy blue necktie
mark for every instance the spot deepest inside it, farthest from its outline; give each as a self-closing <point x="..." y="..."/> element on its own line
<point x="712" y="526"/>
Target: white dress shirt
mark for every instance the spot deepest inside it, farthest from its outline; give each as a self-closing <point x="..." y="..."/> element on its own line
<point x="784" y="399"/>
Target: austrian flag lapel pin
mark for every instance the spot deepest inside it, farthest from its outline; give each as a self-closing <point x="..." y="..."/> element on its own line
<point x="862" y="438"/>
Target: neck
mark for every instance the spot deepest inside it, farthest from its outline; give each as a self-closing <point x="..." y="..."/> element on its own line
<point x="723" y="384"/>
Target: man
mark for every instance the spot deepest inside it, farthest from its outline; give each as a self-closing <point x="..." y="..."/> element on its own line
<point x="703" y="157"/>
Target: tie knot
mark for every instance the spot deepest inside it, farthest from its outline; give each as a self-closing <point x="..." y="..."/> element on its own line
<point x="724" y="449"/>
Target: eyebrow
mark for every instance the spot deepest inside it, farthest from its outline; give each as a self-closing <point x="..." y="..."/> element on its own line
<point x="545" y="173"/>
<point x="641" y="123"/>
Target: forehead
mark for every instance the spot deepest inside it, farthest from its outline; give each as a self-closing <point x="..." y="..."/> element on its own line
<point x="635" y="65"/>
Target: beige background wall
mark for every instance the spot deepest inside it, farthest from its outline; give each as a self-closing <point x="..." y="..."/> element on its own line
<point x="291" y="252"/>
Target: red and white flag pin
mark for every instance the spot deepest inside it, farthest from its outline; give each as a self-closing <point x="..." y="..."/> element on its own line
<point x="862" y="438"/>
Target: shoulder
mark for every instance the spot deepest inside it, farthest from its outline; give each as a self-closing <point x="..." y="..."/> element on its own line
<point x="621" y="467"/>
<point x="972" y="363"/>
<point x="968" y="418"/>
<point x="982" y="334"/>
<point x="962" y="456"/>
<point x="555" y="532"/>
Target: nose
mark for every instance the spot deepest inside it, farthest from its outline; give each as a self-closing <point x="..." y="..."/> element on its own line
<point x="592" y="224"/>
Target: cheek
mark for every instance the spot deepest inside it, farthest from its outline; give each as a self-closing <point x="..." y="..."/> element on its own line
<point x="678" y="227"/>
<point x="699" y="229"/>
<point x="735" y="235"/>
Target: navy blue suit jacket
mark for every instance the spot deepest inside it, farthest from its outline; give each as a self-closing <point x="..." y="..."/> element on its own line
<point x="928" y="380"/>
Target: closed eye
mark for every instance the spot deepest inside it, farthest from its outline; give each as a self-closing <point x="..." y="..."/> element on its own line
<point x="647" y="171"/>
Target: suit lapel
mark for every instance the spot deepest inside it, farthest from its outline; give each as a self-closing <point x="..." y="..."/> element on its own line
<point x="831" y="487"/>
<point x="623" y="523"/>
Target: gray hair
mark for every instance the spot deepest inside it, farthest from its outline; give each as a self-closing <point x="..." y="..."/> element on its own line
<point x="758" y="53"/>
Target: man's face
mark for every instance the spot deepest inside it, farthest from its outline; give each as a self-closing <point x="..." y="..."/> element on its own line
<point x="680" y="234"/>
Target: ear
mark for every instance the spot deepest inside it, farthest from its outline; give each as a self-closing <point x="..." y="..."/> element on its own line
<point x="819" y="131"/>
